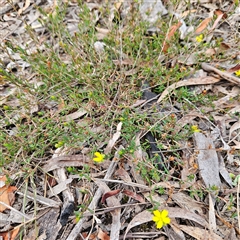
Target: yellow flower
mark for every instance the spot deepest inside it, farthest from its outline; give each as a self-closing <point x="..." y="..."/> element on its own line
<point x="199" y="38"/>
<point x="99" y="157"/>
<point x="59" y="144"/>
<point x="161" y="218"/>
<point x="195" y="128"/>
<point x="237" y="73"/>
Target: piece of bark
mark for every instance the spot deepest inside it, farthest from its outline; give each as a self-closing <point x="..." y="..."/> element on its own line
<point x="207" y="160"/>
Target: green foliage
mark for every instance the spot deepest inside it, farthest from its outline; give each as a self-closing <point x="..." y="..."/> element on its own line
<point x="73" y="75"/>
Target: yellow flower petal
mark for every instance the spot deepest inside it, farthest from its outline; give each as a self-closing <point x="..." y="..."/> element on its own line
<point x="161" y="218"/>
<point x="195" y="128"/>
<point x="164" y="213"/>
<point x="155" y="219"/>
<point x="159" y="224"/>
<point x="199" y="38"/>
<point x="98" y="157"/>
<point x="167" y="220"/>
<point x="237" y="73"/>
<point x="157" y="213"/>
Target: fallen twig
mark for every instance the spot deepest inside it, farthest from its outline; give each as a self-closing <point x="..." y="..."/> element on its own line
<point x="225" y="75"/>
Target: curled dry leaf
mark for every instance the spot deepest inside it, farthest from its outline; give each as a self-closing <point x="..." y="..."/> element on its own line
<point x="123" y="174"/>
<point x="225" y="75"/>
<point x="223" y="171"/>
<point x="234" y="69"/>
<point x="110" y="194"/>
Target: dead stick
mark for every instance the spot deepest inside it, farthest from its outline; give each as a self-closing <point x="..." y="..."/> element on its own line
<point x="224" y="75"/>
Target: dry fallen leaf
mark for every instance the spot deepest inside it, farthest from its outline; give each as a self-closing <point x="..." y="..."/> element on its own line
<point x="188" y="82"/>
<point x="211" y="214"/>
<point x="134" y="195"/>
<point x="92" y="236"/>
<point x="110" y="194"/>
<point x="173" y="29"/>
<point x="234" y="135"/>
<point x="234" y="69"/>
<point x="11" y="235"/>
<point x="199" y="233"/>
<point x="217" y="21"/>
<point x="66" y="161"/>
<point x="123" y="174"/>
<point x="79" y="113"/>
<point x="6" y="193"/>
<point x="102" y="235"/>
<point x="61" y="104"/>
<point x="118" y="4"/>
<point x="218" y="12"/>
<point x="186" y="13"/>
<point x="203" y="25"/>
<point x="27" y="4"/>
<point x="207" y="160"/>
<point x="113" y="140"/>
<point x="173" y="212"/>
<point x="185" y="201"/>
